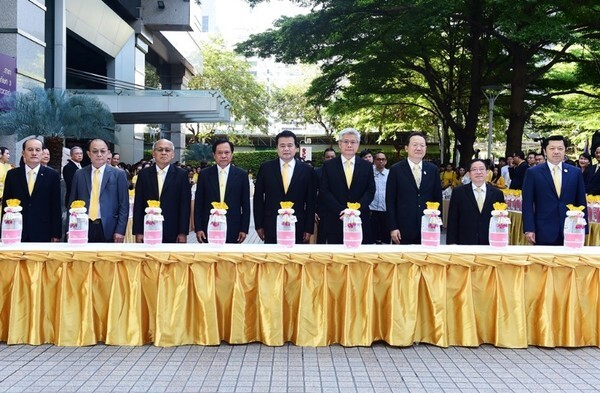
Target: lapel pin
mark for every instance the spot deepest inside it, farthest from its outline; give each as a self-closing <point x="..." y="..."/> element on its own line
<point x="565" y="170"/>
<point x="424" y="173"/>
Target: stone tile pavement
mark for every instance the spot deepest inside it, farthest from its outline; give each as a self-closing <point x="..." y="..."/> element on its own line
<point x="259" y="368"/>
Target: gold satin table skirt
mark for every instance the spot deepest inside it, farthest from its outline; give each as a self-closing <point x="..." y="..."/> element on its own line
<point x="311" y="296"/>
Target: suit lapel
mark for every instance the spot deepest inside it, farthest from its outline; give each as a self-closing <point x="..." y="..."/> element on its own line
<point x="408" y="173"/>
<point x="547" y="174"/>
<point x="39" y="180"/>
<point x="295" y="175"/>
<point x="108" y="172"/>
<point x="471" y="197"/>
<point x="277" y="173"/>
<point x="340" y="170"/>
<point x="23" y="181"/>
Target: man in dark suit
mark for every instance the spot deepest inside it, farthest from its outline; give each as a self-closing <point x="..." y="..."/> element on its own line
<point x="38" y="189"/>
<point x="104" y="190"/>
<point x="328" y="154"/>
<point x="411" y="183"/>
<point x="68" y="171"/>
<point x="285" y="179"/>
<point x="165" y="183"/>
<point x="517" y="172"/>
<point x="223" y="183"/>
<point x="471" y="207"/>
<point x="593" y="187"/>
<point x="345" y="179"/>
<point x="547" y="190"/>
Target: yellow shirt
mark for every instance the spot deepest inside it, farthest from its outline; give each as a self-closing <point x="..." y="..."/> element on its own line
<point x="449" y="179"/>
<point x="4" y="168"/>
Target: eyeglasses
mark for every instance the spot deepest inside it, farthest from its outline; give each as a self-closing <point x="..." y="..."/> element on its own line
<point x="163" y="149"/>
<point x="347" y="142"/>
<point x="478" y="170"/>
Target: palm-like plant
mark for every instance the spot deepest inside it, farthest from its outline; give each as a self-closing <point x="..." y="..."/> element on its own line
<point x="55" y="115"/>
<point x="198" y="152"/>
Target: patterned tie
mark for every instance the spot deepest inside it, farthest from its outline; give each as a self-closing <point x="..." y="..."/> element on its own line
<point x="348" y="172"/>
<point x="285" y="177"/>
<point x="556" y="178"/>
<point x="479" y="199"/>
<point x="95" y="197"/>
<point x="160" y="181"/>
<point x="417" y="174"/>
<point x="222" y="181"/>
<point x="31" y="181"/>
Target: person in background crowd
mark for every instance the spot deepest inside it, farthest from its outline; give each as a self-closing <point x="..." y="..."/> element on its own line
<point x="38" y="189"/>
<point x="346" y="179"/>
<point x="463" y="176"/>
<point x="328" y="154"/>
<point x="165" y="183"/>
<point x="471" y="208"/>
<point x="539" y="158"/>
<point x="5" y="166"/>
<point x="223" y="183"/>
<point x="504" y="171"/>
<point x="587" y="169"/>
<point x="45" y="157"/>
<point x="547" y="190"/>
<point x="115" y="160"/>
<point x="531" y="159"/>
<point x="497" y="180"/>
<point x="285" y="179"/>
<point x="366" y="155"/>
<point x="593" y="187"/>
<point x="104" y="190"/>
<point x="517" y="172"/>
<point x="68" y="171"/>
<point x="379" y="225"/>
<point x="448" y="177"/>
<point x="412" y="182"/>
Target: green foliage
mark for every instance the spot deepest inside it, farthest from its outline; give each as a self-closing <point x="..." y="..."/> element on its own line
<point x="252" y="160"/>
<point x="198" y="152"/>
<point x="230" y="73"/>
<point x="55" y="113"/>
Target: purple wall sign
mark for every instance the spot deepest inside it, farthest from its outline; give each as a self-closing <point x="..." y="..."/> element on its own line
<point x="8" y="77"/>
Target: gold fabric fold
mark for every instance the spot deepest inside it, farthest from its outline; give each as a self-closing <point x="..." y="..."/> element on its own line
<point x="354" y="299"/>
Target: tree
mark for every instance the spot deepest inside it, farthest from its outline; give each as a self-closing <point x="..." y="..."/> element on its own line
<point x="437" y="54"/>
<point x="55" y="114"/>
<point x="229" y="73"/>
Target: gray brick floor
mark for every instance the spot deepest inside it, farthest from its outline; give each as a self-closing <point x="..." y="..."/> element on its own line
<point x="260" y="368"/>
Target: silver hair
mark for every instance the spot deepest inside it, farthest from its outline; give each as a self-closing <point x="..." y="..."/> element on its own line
<point x="349" y="130"/>
<point x="75" y="148"/>
<point x="166" y="140"/>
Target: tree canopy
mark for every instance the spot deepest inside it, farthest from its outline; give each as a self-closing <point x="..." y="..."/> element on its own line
<point x="409" y="59"/>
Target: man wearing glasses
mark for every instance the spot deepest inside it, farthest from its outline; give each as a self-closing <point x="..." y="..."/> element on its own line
<point x="345" y="179"/>
<point x="165" y="183"/>
<point x="471" y="208"/>
<point x="104" y="191"/>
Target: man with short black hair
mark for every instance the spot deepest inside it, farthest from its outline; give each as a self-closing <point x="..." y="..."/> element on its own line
<point x="328" y="154"/>
<point x="223" y="182"/>
<point x="73" y="164"/>
<point x="379" y="225"/>
<point x="285" y="179"/>
<point x="547" y="190"/>
<point x="517" y="172"/>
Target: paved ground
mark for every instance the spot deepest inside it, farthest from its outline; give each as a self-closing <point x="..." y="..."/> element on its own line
<point x="259" y="368"/>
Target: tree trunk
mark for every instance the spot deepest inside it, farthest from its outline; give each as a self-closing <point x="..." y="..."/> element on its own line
<point x="517" y="116"/>
<point x="55" y="145"/>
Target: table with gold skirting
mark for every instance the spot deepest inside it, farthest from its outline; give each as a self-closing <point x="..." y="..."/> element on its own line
<point x="517" y="237"/>
<point x="310" y="296"/>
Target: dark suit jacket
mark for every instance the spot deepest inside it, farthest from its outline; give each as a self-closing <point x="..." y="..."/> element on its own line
<point x="237" y="198"/>
<point x="544" y="212"/>
<point x="268" y="194"/>
<point x="405" y="202"/>
<point x="335" y="195"/>
<point x="175" y="201"/>
<point x="68" y="172"/>
<point x="517" y="175"/>
<point x="42" y="211"/>
<point x="593" y="185"/>
<point x="466" y="224"/>
<point x="114" y="198"/>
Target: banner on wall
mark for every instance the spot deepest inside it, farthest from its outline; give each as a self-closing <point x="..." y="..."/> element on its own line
<point x="306" y="153"/>
<point x="8" y="77"/>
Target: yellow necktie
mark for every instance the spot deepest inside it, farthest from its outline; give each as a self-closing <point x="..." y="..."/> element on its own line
<point x="479" y="199"/>
<point x="556" y="178"/>
<point x="417" y="174"/>
<point x="160" y="181"/>
<point x="348" y="172"/>
<point x="222" y="181"/>
<point x="285" y="177"/>
<point x="31" y="181"/>
<point x="95" y="197"/>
